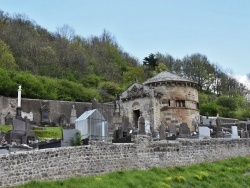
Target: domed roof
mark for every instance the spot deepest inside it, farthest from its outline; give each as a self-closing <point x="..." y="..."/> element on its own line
<point x="166" y="76"/>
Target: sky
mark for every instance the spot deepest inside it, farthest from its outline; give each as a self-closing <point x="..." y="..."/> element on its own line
<point x="219" y="29"/>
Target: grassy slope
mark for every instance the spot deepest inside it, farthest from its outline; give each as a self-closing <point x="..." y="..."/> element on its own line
<point x="230" y="173"/>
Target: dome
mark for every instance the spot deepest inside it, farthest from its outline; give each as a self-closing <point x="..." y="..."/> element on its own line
<point x="166" y="77"/>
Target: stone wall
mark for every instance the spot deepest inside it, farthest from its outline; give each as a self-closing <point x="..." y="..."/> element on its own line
<point x="101" y="157"/>
<point x="56" y="109"/>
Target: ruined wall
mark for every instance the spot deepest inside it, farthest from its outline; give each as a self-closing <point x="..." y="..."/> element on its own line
<point x="100" y="157"/>
<point x="56" y="109"/>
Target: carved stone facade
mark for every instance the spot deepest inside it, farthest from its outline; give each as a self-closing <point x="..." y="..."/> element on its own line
<point x="163" y="99"/>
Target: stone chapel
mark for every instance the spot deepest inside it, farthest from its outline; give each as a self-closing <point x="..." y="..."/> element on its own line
<point x="165" y="99"/>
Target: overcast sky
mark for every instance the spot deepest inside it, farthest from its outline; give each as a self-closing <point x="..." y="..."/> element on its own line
<point x="219" y="29"/>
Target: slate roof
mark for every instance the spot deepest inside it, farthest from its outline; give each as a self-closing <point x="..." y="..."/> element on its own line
<point x="166" y="76"/>
<point x="85" y="115"/>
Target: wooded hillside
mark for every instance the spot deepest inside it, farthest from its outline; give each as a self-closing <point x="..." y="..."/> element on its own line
<point x="66" y="66"/>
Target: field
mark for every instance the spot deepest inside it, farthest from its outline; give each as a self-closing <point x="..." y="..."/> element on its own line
<point x="230" y="173"/>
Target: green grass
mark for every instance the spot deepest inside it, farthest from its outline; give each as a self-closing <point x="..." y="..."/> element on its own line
<point x="45" y="133"/>
<point x="230" y="173"/>
<point x="49" y="132"/>
<point x="5" y="128"/>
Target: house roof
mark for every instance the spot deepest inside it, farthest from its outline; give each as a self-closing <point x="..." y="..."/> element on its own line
<point x="166" y="76"/>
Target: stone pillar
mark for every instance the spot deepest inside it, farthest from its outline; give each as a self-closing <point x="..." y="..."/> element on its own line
<point x="73" y="115"/>
<point x="19" y="109"/>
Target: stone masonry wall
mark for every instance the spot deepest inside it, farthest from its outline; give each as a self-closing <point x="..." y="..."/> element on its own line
<point x="56" y="109"/>
<point x="101" y="157"/>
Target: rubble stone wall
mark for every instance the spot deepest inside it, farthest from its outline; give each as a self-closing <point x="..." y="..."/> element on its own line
<point x="56" y="109"/>
<point x="101" y="157"/>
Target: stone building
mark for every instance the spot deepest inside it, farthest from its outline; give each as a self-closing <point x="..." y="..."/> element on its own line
<point x="165" y="99"/>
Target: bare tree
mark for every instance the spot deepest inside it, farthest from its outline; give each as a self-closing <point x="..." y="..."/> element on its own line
<point x="66" y="32"/>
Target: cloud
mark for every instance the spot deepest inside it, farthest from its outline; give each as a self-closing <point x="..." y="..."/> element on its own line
<point x="244" y="80"/>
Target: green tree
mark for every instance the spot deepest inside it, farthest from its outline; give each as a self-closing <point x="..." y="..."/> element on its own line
<point x="150" y="61"/>
<point x="227" y="102"/>
<point x="209" y="108"/>
<point x="8" y="87"/>
<point x="198" y="68"/>
<point x="7" y="60"/>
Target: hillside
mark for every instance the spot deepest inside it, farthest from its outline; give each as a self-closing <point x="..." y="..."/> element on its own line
<point x="66" y="66"/>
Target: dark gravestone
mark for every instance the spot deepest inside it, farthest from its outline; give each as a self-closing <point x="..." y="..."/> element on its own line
<point x="125" y="126"/>
<point x="8" y="119"/>
<point x="19" y="125"/>
<point x="45" y="109"/>
<point x="248" y="127"/>
<point x="95" y="104"/>
<point x="162" y="132"/>
<point x="184" y="129"/>
<point x="141" y="125"/>
<point x="172" y="130"/>
<point x="62" y="120"/>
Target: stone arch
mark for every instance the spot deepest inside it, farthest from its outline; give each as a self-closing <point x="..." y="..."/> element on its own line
<point x="136" y="105"/>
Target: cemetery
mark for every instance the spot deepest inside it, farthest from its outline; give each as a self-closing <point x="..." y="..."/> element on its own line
<point x="156" y="123"/>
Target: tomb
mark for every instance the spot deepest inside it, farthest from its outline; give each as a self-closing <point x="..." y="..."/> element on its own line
<point x="165" y="98"/>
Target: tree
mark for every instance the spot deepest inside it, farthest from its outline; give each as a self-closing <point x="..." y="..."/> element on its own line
<point x="7" y="61"/>
<point x="198" y="68"/>
<point x="150" y="61"/>
<point x="67" y="32"/>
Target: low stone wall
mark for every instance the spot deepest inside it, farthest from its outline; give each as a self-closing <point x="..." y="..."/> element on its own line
<point x="101" y="157"/>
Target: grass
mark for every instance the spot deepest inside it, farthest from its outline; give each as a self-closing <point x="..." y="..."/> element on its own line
<point x="5" y="128"/>
<point x="45" y="133"/>
<point x="49" y="132"/>
<point x="230" y="173"/>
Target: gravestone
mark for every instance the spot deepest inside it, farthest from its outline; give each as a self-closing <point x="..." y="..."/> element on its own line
<point x="141" y="121"/>
<point x="172" y="130"/>
<point x="234" y="130"/>
<point x="95" y="104"/>
<point x="204" y="132"/>
<point x="62" y="120"/>
<point x="184" y="130"/>
<point x="45" y="109"/>
<point x="206" y="121"/>
<point x="147" y="128"/>
<point x="20" y="125"/>
<point x="8" y="119"/>
<point x="73" y="115"/>
<point x="162" y="129"/>
<point x="67" y="135"/>
<point x="125" y="126"/>
<point x="30" y="115"/>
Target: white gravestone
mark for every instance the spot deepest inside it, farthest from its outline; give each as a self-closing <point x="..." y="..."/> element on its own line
<point x="234" y="130"/>
<point x="204" y="132"/>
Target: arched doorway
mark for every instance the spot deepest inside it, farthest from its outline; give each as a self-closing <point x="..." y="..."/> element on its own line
<point x="136" y="113"/>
